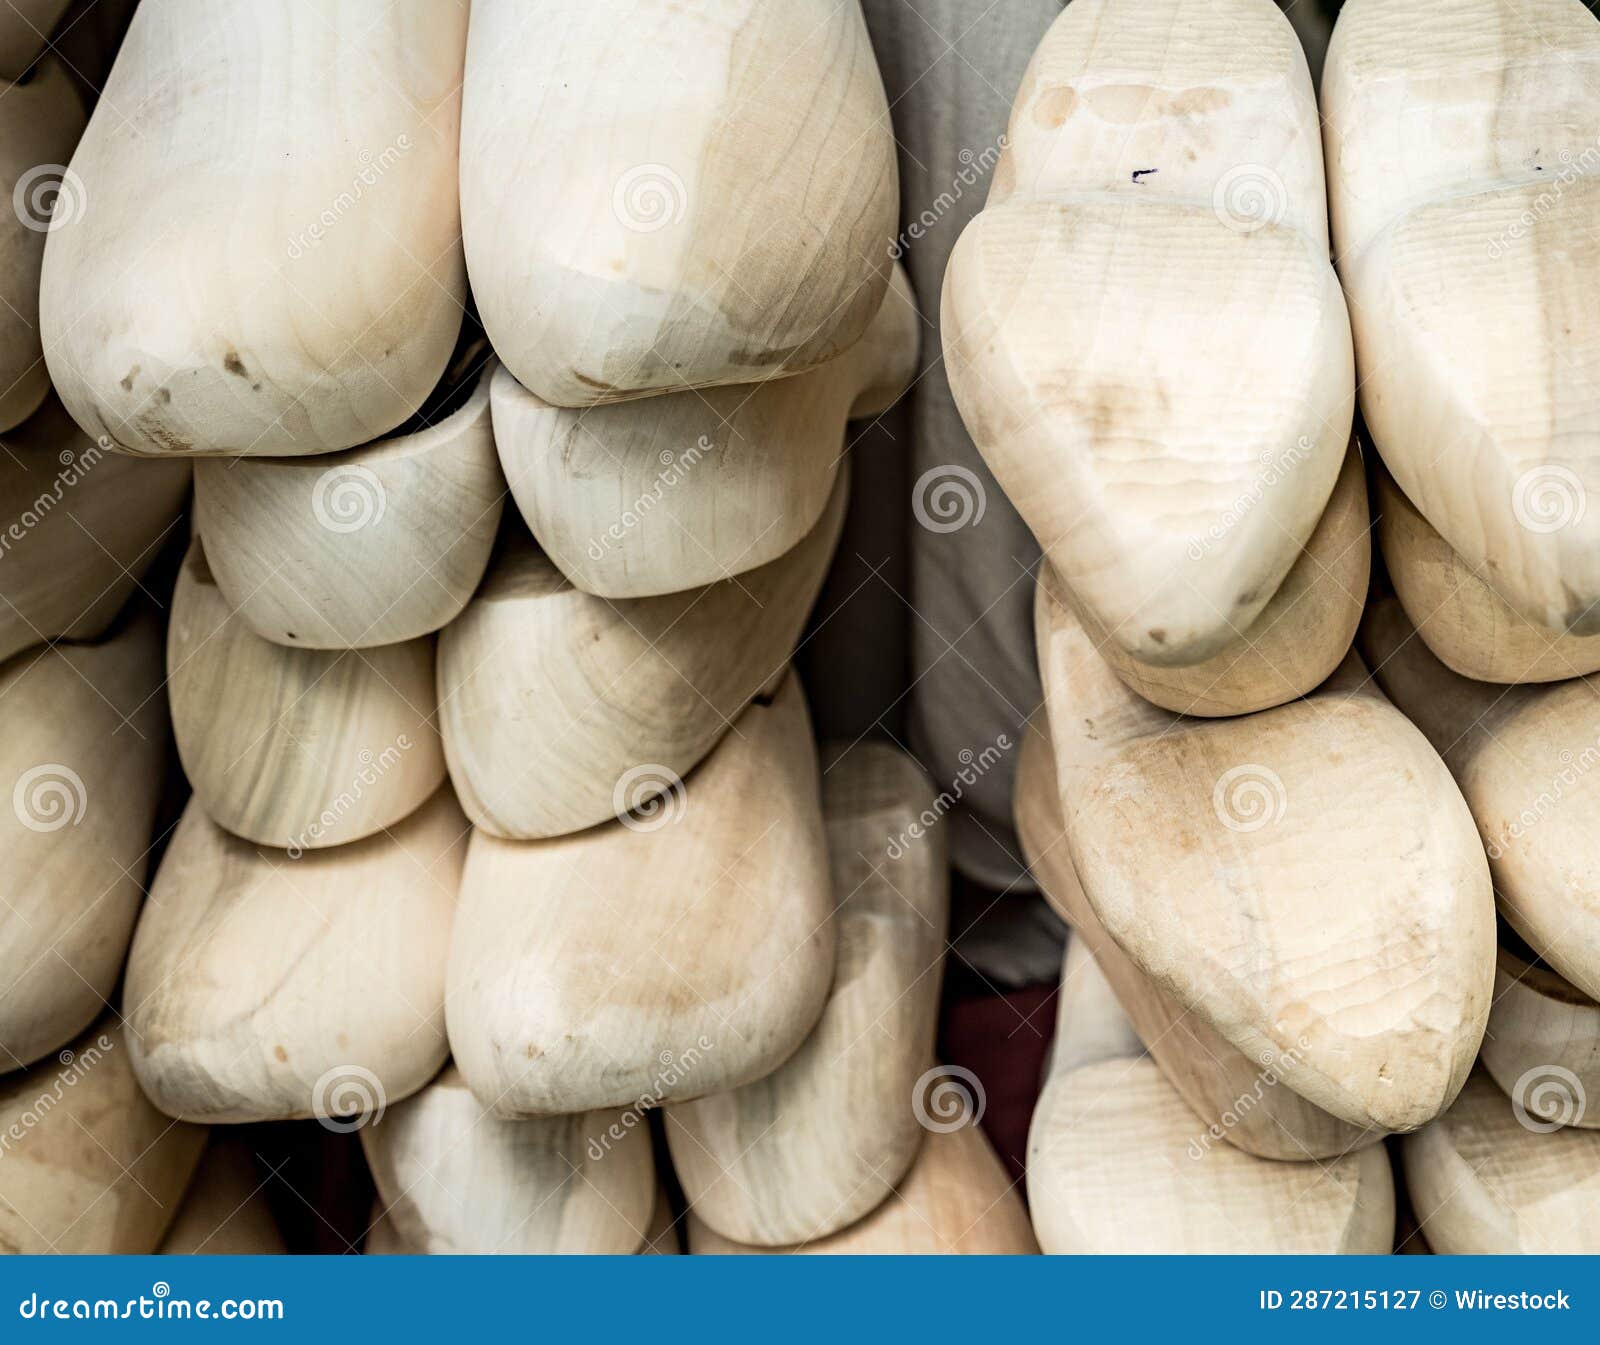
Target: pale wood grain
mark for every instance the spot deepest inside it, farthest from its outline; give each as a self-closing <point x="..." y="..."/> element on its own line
<point x="1540" y="1026"/>
<point x="1142" y="329"/>
<point x="298" y="285"/>
<point x="822" y="1140"/>
<point x="82" y="759"/>
<point x="1237" y="1099"/>
<point x="1307" y="879"/>
<point x="456" y="1179"/>
<point x="955" y="1200"/>
<point x="296" y="748"/>
<point x="1481" y="1183"/>
<point x="672" y="492"/>
<point x="726" y="184"/>
<point x="560" y="710"/>
<point x="373" y="546"/>
<point x="1118" y="1164"/>
<point x="1462" y="141"/>
<point x="261" y="987"/>
<point x="89" y="1166"/>
<point x="1525" y="758"/>
<point x="1469" y="627"/>
<point x="1297" y="641"/>
<point x="674" y="953"/>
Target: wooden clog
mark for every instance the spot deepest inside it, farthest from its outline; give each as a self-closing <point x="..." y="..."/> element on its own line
<point x="815" y="1145"/>
<point x="560" y="710"/>
<point x="87" y="1165"/>
<point x="1482" y="1183"/>
<point x="40" y="123"/>
<point x="1307" y="880"/>
<point x="373" y="546"/>
<point x="1525" y="759"/>
<point x="225" y="1211"/>
<point x="262" y="987"/>
<point x="956" y="1200"/>
<point x="1461" y="140"/>
<point x="1469" y="627"/>
<point x="1238" y="1099"/>
<point x="300" y="287"/>
<point x="1543" y="1042"/>
<point x="79" y="526"/>
<point x="1142" y="329"/>
<point x="726" y="224"/>
<point x="1117" y="1163"/>
<point x="1298" y="640"/>
<point x="296" y="748"/>
<point x="457" y="1179"/>
<point x="679" y="951"/>
<point x="676" y="491"/>
<point x="82" y="760"/>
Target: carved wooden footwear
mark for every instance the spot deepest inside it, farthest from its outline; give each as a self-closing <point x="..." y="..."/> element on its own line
<point x="457" y="1179"/>
<point x="560" y="710"/>
<point x="1461" y="149"/>
<point x="1483" y="1183"/>
<point x="1118" y="1163"/>
<point x="262" y="987"/>
<point x="1543" y="1042"/>
<point x="40" y="122"/>
<point x="727" y="224"/>
<point x="224" y="1211"/>
<point x="1525" y="758"/>
<point x="956" y="1200"/>
<point x="1142" y="329"/>
<point x="1292" y="647"/>
<point x="668" y="493"/>
<point x="680" y="951"/>
<point x="79" y="526"/>
<point x="823" y="1139"/>
<point x="82" y="760"/>
<point x="373" y="546"/>
<point x="296" y="748"/>
<point x="1238" y="1099"/>
<point x="87" y="1165"/>
<point x="1307" y="879"/>
<point x="301" y="286"/>
<point x="1469" y="627"/>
